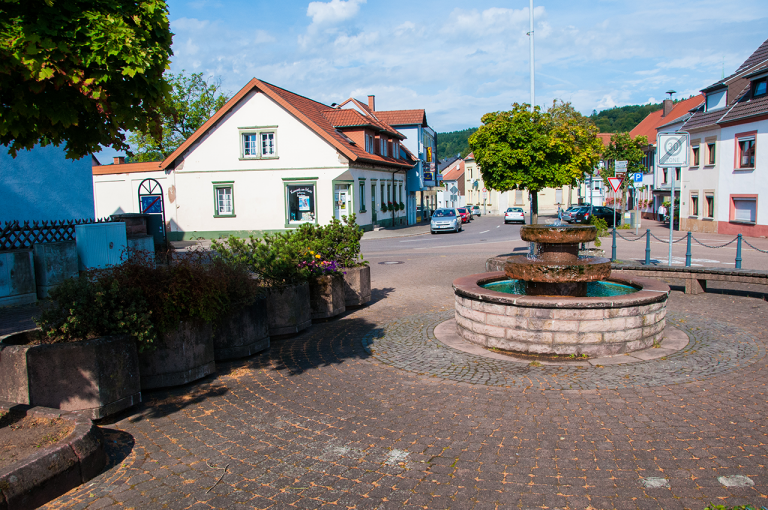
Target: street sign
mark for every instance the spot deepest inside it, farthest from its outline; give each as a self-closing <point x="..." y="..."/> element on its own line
<point x="454" y="189"/>
<point x="620" y="165"/>
<point x="672" y="149"/>
<point x="638" y="176"/>
<point x="615" y="183"/>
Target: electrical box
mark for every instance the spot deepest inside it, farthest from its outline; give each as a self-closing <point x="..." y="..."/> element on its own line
<point x="100" y="244"/>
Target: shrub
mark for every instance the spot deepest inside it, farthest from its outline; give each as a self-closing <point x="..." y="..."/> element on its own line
<point x="339" y="241"/>
<point x="602" y="229"/>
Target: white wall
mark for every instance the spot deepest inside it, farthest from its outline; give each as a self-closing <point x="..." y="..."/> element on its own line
<point x="743" y="182"/>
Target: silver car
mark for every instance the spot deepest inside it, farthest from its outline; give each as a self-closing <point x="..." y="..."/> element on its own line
<point x="445" y="219"/>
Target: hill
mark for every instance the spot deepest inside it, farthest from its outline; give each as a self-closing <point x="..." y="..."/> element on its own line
<point x="622" y="119"/>
<point x="453" y="143"/>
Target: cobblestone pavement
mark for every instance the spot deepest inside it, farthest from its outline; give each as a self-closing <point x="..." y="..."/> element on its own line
<point x="319" y="421"/>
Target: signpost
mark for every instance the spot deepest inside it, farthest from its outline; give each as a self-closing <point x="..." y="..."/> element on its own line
<point x="615" y="185"/>
<point x="485" y="196"/>
<point x="672" y="153"/>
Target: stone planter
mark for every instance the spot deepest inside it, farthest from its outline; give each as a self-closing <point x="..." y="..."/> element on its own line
<point x="288" y="309"/>
<point x="357" y="285"/>
<point x="326" y="296"/>
<point x="242" y="333"/>
<point x="182" y="356"/>
<point x="98" y="376"/>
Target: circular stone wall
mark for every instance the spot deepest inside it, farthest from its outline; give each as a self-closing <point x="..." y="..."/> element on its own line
<point x="595" y="326"/>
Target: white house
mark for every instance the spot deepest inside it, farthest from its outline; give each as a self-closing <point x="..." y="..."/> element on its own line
<point x="729" y="137"/>
<point x="270" y="160"/>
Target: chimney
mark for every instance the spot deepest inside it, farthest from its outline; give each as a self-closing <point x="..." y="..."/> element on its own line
<point x="118" y="160"/>
<point x="668" y="105"/>
<point x="372" y="103"/>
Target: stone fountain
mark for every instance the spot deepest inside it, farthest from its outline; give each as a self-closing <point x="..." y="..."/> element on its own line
<point x="559" y="303"/>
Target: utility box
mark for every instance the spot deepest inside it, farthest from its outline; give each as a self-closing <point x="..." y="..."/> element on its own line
<point x="54" y="263"/>
<point x="100" y="244"/>
<point x="156" y="229"/>
<point x="17" y="278"/>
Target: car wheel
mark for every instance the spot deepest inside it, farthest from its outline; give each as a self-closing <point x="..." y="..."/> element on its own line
<point x="432" y="232"/>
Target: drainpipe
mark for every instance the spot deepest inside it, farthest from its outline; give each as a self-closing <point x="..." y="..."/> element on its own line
<point x="393" y="197"/>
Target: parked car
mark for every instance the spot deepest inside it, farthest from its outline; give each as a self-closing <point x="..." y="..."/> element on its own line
<point x="514" y="214"/>
<point x="466" y="214"/>
<point x="476" y="210"/>
<point x="446" y="220"/>
<point x="604" y="213"/>
<point x="566" y="215"/>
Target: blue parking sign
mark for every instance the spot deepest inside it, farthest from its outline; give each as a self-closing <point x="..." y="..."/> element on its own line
<point x="638" y="177"/>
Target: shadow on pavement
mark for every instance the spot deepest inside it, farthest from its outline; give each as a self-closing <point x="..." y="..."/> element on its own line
<point x="118" y="445"/>
<point x="379" y="294"/>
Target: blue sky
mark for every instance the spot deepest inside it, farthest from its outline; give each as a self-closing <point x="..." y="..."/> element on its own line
<point x="459" y="60"/>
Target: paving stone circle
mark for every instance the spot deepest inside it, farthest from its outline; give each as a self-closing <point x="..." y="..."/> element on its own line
<point x="715" y="348"/>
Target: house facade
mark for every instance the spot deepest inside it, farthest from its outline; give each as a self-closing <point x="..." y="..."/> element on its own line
<point x="725" y="182"/>
<point x="268" y="161"/>
<point x="452" y="192"/>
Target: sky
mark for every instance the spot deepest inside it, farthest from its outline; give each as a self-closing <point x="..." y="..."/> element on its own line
<point x="459" y="60"/>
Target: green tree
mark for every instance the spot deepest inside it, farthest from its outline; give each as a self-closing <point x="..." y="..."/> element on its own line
<point x="81" y="71"/>
<point x="624" y="147"/>
<point x="533" y="150"/>
<point x="190" y="104"/>
<point x="454" y="143"/>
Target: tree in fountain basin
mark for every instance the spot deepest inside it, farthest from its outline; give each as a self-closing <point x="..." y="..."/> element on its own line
<point x="624" y="147"/>
<point x="532" y="149"/>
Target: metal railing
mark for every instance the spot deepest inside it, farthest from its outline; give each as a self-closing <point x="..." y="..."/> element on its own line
<point x="739" y="240"/>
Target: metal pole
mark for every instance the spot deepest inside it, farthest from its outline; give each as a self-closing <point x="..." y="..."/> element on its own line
<point x="647" y="246"/>
<point x="671" y="216"/>
<point x="738" y="253"/>
<point x="688" y="252"/>
<point x="530" y="34"/>
<point x="613" y="248"/>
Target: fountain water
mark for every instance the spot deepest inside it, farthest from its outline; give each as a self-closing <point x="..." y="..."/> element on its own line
<point x="558" y="302"/>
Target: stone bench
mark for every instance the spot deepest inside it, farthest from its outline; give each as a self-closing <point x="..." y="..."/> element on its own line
<point x="695" y="277"/>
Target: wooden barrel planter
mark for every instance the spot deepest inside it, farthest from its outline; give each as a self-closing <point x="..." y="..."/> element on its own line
<point x="242" y="333"/>
<point x="357" y="285"/>
<point x="98" y="376"/>
<point x="181" y="356"/>
<point x="288" y="309"/>
<point x="326" y="296"/>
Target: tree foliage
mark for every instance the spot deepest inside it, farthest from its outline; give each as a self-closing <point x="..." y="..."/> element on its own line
<point x="80" y="71"/>
<point x="533" y="150"/>
<point x="624" y="147"/>
<point x="191" y="102"/>
<point x="453" y="143"/>
<point x="622" y="118"/>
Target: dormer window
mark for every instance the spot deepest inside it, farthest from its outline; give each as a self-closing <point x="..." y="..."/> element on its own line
<point x="395" y="149"/>
<point x="716" y="100"/>
<point x="370" y="147"/>
<point x="760" y="87"/>
<point x="383" y="146"/>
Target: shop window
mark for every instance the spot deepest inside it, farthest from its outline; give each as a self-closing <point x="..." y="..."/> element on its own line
<point x="223" y="199"/>
<point x="744" y="209"/>
<point x="301" y="204"/>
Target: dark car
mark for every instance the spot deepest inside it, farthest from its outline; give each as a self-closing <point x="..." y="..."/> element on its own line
<point x="466" y="215"/>
<point x="583" y="215"/>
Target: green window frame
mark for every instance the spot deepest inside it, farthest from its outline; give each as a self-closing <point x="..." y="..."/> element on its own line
<point x="258" y="142"/>
<point x="223" y="202"/>
<point x="361" y="198"/>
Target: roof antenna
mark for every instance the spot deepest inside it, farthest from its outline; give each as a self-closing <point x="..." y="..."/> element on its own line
<point x="723" y="75"/>
<point x="670" y="92"/>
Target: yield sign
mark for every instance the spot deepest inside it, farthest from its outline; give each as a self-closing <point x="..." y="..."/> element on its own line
<point x="615" y="183"/>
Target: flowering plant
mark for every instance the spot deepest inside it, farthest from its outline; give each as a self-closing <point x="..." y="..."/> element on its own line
<point x="402" y="206"/>
<point x="318" y="265"/>
<point x="384" y="207"/>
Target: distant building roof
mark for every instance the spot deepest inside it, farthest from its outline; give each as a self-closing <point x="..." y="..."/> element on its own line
<point x="403" y="117"/>
<point x="455" y="173"/>
<point x="126" y="168"/>
<point x="653" y="120"/>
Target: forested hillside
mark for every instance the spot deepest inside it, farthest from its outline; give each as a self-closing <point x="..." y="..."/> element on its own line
<point x="453" y="143"/>
<point x="621" y="119"/>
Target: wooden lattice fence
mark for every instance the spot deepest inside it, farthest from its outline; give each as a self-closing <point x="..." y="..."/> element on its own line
<point x="16" y="236"/>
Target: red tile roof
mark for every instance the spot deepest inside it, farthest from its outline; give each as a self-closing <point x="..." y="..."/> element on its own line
<point x="605" y="138"/>
<point x="648" y="125"/>
<point x="371" y="116"/>
<point x="403" y="117"/>
<point x="126" y="168"/>
<point x="455" y="173"/>
<point x="310" y="113"/>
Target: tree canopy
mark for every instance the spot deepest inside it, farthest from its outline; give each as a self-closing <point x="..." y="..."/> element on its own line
<point x="191" y="102"/>
<point x="624" y="147"/>
<point x="533" y="150"/>
<point x="453" y="143"/>
<point x="81" y="71"/>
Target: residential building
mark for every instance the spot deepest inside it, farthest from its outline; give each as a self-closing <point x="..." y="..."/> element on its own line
<point x="452" y="193"/>
<point x="729" y="137"/>
<point x="271" y="160"/>
<point x="423" y="180"/>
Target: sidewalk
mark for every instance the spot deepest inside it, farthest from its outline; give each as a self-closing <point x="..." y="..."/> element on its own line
<point x="399" y="231"/>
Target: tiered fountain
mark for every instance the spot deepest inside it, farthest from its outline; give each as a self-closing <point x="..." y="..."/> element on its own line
<point x="558" y="302"/>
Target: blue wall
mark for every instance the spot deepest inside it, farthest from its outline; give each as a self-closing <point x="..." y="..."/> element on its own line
<point x="42" y="184"/>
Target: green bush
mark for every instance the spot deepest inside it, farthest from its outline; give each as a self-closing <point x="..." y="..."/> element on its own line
<point x="602" y="229"/>
<point x="275" y="259"/>
<point x="723" y="507"/>
<point x="339" y="241"/>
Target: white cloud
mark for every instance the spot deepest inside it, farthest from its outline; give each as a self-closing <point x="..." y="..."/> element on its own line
<point x="262" y="36"/>
<point x="333" y="11"/>
<point x="606" y="102"/>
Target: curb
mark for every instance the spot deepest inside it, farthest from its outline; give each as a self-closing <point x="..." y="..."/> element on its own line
<point x="53" y="471"/>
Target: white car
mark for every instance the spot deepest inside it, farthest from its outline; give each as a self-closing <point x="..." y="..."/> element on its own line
<point x="448" y="220"/>
<point x="514" y="214"/>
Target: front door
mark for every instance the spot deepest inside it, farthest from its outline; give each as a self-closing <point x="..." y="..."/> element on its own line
<point x="341" y="201"/>
<point x="373" y="203"/>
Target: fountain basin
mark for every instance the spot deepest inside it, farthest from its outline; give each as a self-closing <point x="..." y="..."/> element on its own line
<point x="595" y="326"/>
<point x="558" y="234"/>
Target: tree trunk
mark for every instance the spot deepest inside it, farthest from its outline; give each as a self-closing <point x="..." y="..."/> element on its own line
<point x="534" y="207"/>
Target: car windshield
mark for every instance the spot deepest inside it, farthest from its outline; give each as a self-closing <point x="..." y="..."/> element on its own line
<point x="515" y="209"/>
<point x="442" y="213"/>
<point x="462" y="210"/>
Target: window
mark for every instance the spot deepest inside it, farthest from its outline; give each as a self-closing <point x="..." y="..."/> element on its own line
<point x="258" y="142"/>
<point x="518" y="197"/>
<point x="395" y="149"/>
<point x="710" y="205"/>
<point x="694" y="204"/>
<point x="744" y="209"/>
<point x="760" y="87"/>
<point x="362" y="195"/>
<point x="711" y="153"/>
<point x="677" y="175"/>
<point x="383" y="197"/>
<point x="389" y="193"/>
<point x="223" y="199"/>
<point x="664" y="176"/>
<point x="558" y="196"/>
<point x="300" y="199"/>
<point x="716" y="100"/>
<point x="695" y="158"/>
<point x="746" y="153"/>
<point x="383" y="146"/>
<point x="369" y="145"/>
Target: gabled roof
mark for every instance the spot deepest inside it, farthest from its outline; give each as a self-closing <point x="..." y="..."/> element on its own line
<point x="745" y="107"/>
<point x="759" y="56"/>
<point x="126" y="168"/>
<point x="371" y="116"/>
<point x="455" y="173"/>
<point x="605" y="138"/>
<point x="311" y="113"/>
<point x="653" y="120"/>
<point x="403" y="117"/>
<point x="446" y="163"/>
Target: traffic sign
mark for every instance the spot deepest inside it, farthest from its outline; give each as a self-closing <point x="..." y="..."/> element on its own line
<point x="638" y="176"/>
<point x="672" y="149"/>
<point x="615" y="183"/>
<point x="621" y="165"/>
